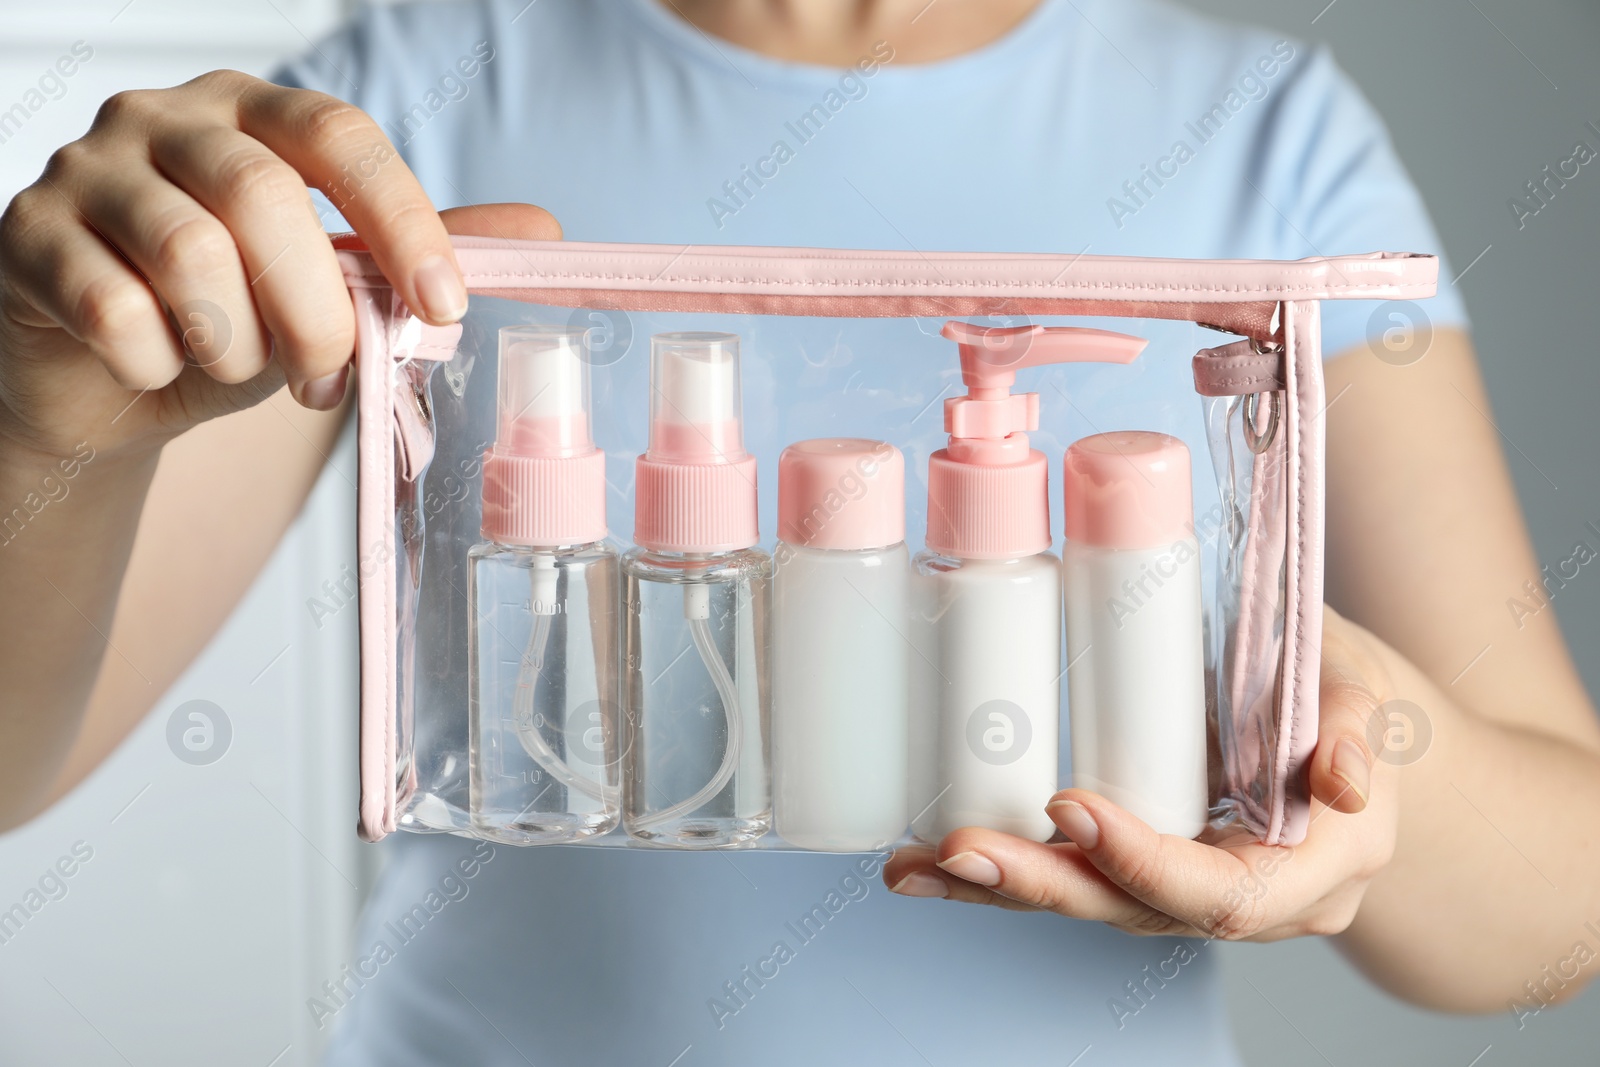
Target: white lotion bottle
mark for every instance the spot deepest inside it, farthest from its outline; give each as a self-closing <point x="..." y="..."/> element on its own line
<point x="1136" y="685"/>
<point x="991" y="591"/>
<point x="840" y="657"/>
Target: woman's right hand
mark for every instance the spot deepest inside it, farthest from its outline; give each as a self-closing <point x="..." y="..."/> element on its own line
<point x="169" y="266"/>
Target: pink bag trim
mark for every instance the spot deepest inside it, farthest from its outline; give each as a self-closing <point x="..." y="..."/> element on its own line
<point x="1237" y="370"/>
<point x="1239" y="295"/>
<point x="1274" y="677"/>
<point x="1304" y="426"/>
<point x="375" y="555"/>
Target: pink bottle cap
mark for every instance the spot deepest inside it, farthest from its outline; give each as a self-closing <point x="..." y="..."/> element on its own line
<point x="695" y="486"/>
<point x="544" y="481"/>
<point x="842" y="493"/>
<point x="1128" y="489"/>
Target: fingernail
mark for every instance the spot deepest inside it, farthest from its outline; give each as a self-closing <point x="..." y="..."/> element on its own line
<point x="1075" y="821"/>
<point x="1350" y="766"/>
<point x="439" y="288"/>
<point x="324" y="393"/>
<point x="972" y="867"/>
<point x="920" y="884"/>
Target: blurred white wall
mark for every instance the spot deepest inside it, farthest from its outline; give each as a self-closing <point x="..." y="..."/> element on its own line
<point x="135" y="43"/>
<point x="217" y="897"/>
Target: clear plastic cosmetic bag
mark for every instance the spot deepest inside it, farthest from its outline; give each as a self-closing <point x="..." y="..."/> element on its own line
<point x="856" y="345"/>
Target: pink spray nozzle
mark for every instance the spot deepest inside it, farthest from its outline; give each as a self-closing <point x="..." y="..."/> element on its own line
<point x="543" y="479"/>
<point x="695" y="486"/>
<point x="694" y="398"/>
<point x="543" y="401"/>
<point x="988" y="491"/>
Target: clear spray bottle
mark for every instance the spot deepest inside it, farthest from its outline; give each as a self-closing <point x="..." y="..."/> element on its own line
<point x="697" y="765"/>
<point x="545" y="630"/>
<point x="992" y="589"/>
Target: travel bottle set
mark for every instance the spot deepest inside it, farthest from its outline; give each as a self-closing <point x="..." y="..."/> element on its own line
<point x="716" y="548"/>
<point x="701" y="694"/>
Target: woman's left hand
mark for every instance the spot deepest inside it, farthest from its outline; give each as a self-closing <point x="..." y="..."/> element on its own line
<point x="1115" y="869"/>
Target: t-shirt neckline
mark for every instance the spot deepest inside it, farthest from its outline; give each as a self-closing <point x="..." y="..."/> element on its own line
<point x="760" y="70"/>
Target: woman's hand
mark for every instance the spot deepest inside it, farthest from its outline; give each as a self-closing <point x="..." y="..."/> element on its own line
<point x="1117" y="870"/>
<point x="169" y="266"/>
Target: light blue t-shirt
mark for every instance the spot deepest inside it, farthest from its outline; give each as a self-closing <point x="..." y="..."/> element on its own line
<point x="1116" y="127"/>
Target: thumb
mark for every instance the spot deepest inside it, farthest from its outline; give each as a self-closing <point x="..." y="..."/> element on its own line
<point x="522" y="222"/>
<point x="1341" y="767"/>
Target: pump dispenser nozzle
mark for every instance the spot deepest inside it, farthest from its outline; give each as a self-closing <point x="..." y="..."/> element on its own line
<point x="992" y="355"/>
<point x="988" y="495"/>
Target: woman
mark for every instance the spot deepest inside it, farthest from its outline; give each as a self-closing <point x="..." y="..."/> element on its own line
<point x="1017" y="125"/>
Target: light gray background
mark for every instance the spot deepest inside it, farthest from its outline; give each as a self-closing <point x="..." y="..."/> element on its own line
<point x="220" y="896"/>
<point x="1479" y="95"/>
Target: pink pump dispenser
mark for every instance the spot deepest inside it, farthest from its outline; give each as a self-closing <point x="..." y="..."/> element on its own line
<point x="988" y="495"/>
<point x="991" y="592"/>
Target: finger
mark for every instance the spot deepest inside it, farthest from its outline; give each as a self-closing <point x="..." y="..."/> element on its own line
<point x="1222" y="893"/>
<point x="293" y="272"/>
<point x="912" y="872"/>
<point x="1052" y="877"/>
<point x="340" y="150"/>
<point x="1341" y="766"/>
<point x="189" y="258"/>
<point x="521" y="222"/>
<point x="63" y="269"/>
